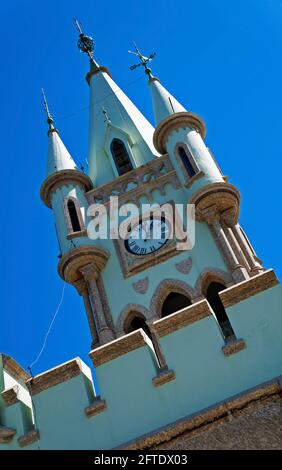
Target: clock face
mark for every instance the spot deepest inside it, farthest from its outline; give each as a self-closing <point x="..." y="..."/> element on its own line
<point x="147" y="236"/>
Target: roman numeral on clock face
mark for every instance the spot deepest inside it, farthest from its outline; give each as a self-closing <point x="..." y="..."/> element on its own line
<point x="141" y="239"/>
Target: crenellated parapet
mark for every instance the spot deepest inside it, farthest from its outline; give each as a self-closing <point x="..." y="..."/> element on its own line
<point x="61" y="409"/>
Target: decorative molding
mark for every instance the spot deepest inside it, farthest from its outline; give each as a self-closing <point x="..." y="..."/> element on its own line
<point x="233" y="346"/>
<point x="163" y="377"/>
<point x="175" y="121"/>
<point x="95" y="71"/>
<point x="248" y="288"/>
<point x="81" y="233"/>
<point x="55" y="376"/>
<point x="29" y="438"/>
<point x="14" y="369"/>
<point x="184" y="266"/>
<point x="221" y="196"/>
<point x="209" y="275"/>
<point x="81" y="287"/>
<point x="63" y="178"/>
<point x="165" y="287"/>
<point x="96" y="407"/>
<point x="125" y="316"/>
<point x="135" y="184"/>
<point x="117" y="348"/>
<point x="133" y="264"/>
<point x="182" y="318"/>
<point x="6" y="434"/>
<point x="89" y="272"/>
<point x="71" y="264"/>
<point x="10" y="396"/>
<point x="141" y="286"/>
<point x="194" y="178"/>
<point x="204" y="417"/>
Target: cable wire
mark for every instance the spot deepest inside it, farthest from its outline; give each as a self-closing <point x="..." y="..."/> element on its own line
<point x="49" y="330"/>
<point x="100" y="100"/>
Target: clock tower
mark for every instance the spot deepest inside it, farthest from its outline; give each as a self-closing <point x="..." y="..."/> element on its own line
<point x="132" y="162"/>
<point x="185" y="322"/>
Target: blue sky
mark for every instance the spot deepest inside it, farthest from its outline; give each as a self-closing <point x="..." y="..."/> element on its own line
<point x="222" y="59"/>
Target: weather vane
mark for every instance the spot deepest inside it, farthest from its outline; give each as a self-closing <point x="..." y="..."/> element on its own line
<point x="85" y="43"/>
<point x="143" y="60"/>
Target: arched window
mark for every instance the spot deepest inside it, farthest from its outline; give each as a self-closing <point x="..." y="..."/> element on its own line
<point x="136" y="322"/>
<point x="73" y="216"/>
<point x="174" y="302"/>
<point x="187" y="160"/>
<point x="216" y="304"/>
<point x="121" y="157"/>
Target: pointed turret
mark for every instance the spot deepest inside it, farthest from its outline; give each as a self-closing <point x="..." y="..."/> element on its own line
<point x="64" y="191"/>
<point x="127" y="130"/>
<point x="61" y="167"/>
<point x="164" y="104"/>
<point x="58" y="156"/>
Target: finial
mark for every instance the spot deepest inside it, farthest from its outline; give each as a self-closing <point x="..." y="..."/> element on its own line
<point x="85" y="43"/>
<point x="107" y="119"/>
<point x="143" y="60"/>
<point x="50" y="120"/>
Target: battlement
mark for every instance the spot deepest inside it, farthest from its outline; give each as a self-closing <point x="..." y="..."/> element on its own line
<point x="60" y="408"/>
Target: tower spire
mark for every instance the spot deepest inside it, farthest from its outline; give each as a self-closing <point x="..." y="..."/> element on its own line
<point x="125" y="122"/>
<point x="50" y="120"/>
<point x="143" y="60"/>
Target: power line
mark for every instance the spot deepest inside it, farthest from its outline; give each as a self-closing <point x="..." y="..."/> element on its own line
<point x="85" y="108"/>
<point x="48" y="331"/>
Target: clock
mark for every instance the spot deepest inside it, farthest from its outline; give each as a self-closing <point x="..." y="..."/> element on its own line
<point x="147" y="236"/>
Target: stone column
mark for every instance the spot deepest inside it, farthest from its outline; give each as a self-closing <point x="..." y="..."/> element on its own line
<point x="253" y="263"/>
<point x="90" y="274"/>
<point x="157" y="347"/>
<point x="212" y="217"/>
<point x="81" y="287"/>
<point x="236" y="247"/>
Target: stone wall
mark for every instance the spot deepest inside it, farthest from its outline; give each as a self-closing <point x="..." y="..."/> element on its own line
<point x="256" y="426"/>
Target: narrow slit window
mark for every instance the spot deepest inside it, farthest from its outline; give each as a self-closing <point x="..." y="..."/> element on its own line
<point x="121" y="157"/>
<point x="75" y="224"/>
<point x="186" y="159"/>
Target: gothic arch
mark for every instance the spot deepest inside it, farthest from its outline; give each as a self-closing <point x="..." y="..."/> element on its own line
<point x="67" y="214"/>
<point x="166" y="287"/>
<point x="211" y="275"/>
<point x="127" y="314"/>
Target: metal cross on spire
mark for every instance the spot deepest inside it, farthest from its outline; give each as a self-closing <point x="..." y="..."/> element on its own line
<point x="85" y="43"/>
<point x="50" y="120"/>
<point x="106" y="116"/>
<point x="143" y="60"/>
